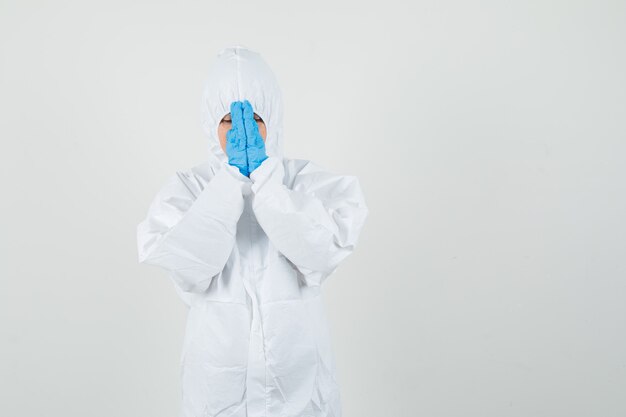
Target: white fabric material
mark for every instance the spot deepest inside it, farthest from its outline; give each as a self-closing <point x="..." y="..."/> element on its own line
<point x="249" y="256"/>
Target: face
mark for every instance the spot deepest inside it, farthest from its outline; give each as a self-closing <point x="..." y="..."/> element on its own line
<point x="226" y="124"/>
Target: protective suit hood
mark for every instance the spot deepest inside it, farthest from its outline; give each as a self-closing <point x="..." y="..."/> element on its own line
<point x="240" y="73"/>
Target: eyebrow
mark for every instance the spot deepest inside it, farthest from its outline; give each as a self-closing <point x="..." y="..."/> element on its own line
<point x="228" y="117"/>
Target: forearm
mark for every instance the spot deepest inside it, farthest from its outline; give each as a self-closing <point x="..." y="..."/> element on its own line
<point x="315" y="230"/>
<point x="196" y="247"/>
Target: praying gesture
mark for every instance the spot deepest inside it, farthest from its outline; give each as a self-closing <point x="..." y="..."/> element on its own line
<point x="245" y="145"/>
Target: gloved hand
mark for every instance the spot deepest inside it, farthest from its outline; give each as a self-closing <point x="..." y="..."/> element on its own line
<point x="236" y="141"/>
<point x="255" y="144"/>
<point x="244" y="144"/>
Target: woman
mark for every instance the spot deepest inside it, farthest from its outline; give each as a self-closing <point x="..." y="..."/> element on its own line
<point x="249" y="237"/>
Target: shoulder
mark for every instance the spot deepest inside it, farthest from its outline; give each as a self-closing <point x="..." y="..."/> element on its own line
<point x="305" y="175"/>
<point x="188" y="181"/>
<point x="183" y="185"/>
<point x="299" y="168"/>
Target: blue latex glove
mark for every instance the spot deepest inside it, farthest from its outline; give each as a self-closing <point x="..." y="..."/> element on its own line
<point x="255" y="144"/>
<point x="236" y="141"/>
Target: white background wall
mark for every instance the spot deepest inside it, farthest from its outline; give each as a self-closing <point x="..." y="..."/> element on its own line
<point x="490" y="141"/>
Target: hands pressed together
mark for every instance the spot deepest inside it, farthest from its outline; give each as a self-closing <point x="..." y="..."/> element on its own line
<point x="244" y="144"/>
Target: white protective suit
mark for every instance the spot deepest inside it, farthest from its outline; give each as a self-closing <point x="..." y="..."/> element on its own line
<point x="248" y="256"/>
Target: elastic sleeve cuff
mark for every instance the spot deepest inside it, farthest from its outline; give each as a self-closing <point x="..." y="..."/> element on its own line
<point x="234" y="172"/>
<point x="223" y="197"/>
<point x="271" y="171"/>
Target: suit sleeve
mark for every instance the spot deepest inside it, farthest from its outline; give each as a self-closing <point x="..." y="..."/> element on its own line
<point x="315" y="223"/>
<point x="192" y="236"/>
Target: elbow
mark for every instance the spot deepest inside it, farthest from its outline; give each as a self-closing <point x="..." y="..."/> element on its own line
<point x="145" y="242"/>
<point x="323" y="264"/>
<point x="193" y="279"/>
<point x="144" y="252"/>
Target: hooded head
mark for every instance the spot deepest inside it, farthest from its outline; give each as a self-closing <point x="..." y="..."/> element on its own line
<point x="241" y="74"/>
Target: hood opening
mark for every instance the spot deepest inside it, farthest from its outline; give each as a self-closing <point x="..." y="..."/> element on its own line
<point x="238" y="74"/>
